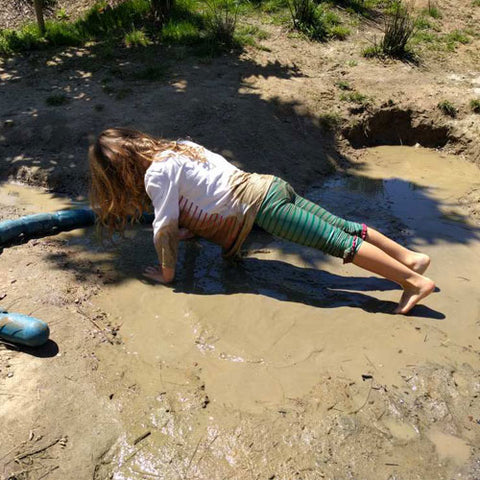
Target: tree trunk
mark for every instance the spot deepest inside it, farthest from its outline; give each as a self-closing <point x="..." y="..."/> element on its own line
<point x="38" y="4"/>
<point x="161" y="10"/>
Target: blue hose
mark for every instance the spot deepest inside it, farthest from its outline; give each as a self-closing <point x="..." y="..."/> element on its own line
<point x="13" y="232"/>
<point x="18" y="328"/>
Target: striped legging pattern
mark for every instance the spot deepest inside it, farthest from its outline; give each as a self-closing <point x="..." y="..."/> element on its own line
<point x="287" y="215"/>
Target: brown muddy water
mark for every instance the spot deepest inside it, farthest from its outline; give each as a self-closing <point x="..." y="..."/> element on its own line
<point x="285" y="347"/>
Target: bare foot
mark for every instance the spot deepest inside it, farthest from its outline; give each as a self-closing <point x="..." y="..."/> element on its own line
<point x="419" y="263"/>
<point x="413" y="294"/>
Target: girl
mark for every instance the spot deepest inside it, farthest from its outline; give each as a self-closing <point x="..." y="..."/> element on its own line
<point x="197" y="192"/>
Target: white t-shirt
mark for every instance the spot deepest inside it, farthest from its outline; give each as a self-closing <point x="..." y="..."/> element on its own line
<point x="210" y="197"/>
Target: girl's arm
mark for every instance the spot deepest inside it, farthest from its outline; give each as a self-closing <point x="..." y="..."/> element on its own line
<point x="160" y="274"/>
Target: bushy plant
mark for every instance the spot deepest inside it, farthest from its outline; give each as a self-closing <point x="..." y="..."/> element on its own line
<point x="222" y="21"/>
<point x="447" y="108"/>
<point x="136" y="38"/>
<point x="399" y="28"/>
<point x="475" y="105"/>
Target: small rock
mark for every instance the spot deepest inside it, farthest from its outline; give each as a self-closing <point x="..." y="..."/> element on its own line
<point x="2" y="296"/>
<point x="10" y="374"/>
<point x="8" y="123"/>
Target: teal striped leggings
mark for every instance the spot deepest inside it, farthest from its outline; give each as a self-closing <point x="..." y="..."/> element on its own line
<point x="287" y="215"/>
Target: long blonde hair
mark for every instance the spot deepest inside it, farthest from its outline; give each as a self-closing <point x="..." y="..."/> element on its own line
<point x="118" y="161"/>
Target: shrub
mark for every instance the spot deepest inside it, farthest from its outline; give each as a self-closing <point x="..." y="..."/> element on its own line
<point x="475" y="105"/>
<point x="399" y="28"/>
<point x="136" y="38"/>
<point x="432" y="10"/>
<point x="355" y="97"/>
<point x="318" y="22"/>
<point x="222" y="21"/>
<point x="330" y="120"/>
<point x="447" y="108"/>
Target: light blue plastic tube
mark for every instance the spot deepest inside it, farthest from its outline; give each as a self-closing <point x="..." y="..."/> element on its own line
<point x="44" y="224"/>
<point x="22" y="329"/>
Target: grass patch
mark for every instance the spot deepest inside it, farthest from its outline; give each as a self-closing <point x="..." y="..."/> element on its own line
<point x="355" y="97"/>
<point x="330" y="120"/>
<point x="452" y="39"/>
<point x="432" y="10"/>
<point x="316" y="21"/>
<point x="57" y="100"/>
<point x="399" y="29"/>
<point x="343" y="85"/>
<point x="447" y="108"/>
<point x="136" y="38"/>
<point x="475" y="105"/>
<point x="476" y="3"/>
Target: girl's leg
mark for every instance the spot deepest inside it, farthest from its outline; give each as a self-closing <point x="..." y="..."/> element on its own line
<point x="279" y="216"/>
<point x="415" y="286"/>
<point x="417" y="262"/>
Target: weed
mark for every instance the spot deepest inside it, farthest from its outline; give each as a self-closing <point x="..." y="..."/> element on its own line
<point x="61" y="14"/>
<point x="222" y="21"/>
<point x="343" y="85"/>
<point x="318" y="22"/>
<point x="372" y="51"/>
<point x="57" y="100"/>
<point x="475" y="105"/>
<point x="447" y="108"/>
<point x="330" y="120"/>
<point x="452" y="39"/>
<point x="476" y="3"/>
<point x="399" y="27"/>
<point x="340" y="32"/>
<point x="136" y="38"/>
<point x="273" y="6"/>
<point x="432" y="10"/>
<point x="352" y="63"/>
<point x="422" y="23"/>
<point x="355" y="97"/>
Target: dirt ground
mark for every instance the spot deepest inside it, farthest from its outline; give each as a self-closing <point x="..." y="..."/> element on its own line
<point x="103" y="400"/>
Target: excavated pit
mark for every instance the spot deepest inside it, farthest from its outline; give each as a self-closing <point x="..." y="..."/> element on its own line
<point x="397" y="127"/>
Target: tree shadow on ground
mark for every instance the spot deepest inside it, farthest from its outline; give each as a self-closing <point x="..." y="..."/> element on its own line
<point x="54" y="104"/>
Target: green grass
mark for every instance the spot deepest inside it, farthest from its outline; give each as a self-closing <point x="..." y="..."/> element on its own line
<point x="447" y="108"/>
<point x="355" y="97"/>
<point x="452" y="39"/>
<point x="330" y="120"/>
<point x="343" y="85"/>
<point x="317" y="21"/>
<point x="432" y="11"/>
<point x="136" y="38"/>
<point x="475" y="105"/>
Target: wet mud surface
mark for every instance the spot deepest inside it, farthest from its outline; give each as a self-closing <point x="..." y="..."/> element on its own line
<point x="285" y="364"/>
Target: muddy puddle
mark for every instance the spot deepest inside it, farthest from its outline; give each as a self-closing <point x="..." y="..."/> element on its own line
<point x="285" y="347"/>
<point x="269" y="325"/>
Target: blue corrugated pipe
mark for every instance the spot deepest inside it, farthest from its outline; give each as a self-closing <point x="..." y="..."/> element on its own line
<point x="17" y="328"/>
